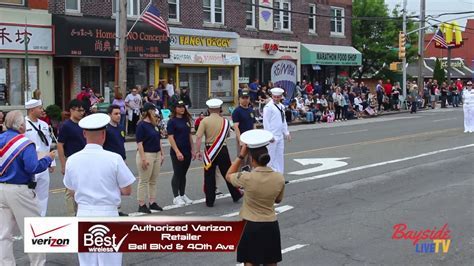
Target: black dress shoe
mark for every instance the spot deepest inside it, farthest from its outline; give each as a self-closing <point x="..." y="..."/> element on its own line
<point x="286" y="182"/>
<point x="144" y="209"/>
<point x="155" y="207"/>
<point x="123" y="214"/>
<point x="210" y="205"/>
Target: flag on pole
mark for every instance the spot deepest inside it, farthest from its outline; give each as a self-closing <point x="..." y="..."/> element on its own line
<point x="439" y="38"/>
<point x="152" y="16"/>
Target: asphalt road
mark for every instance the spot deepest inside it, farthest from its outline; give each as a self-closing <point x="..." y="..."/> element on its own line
<point x="411" y="169"/>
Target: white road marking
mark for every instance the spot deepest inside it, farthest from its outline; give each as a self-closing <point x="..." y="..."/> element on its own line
<point x="283" y="251"/>
<point x="348" y="132"/>
<point x="445" y="119"/>
<point x="278" y="210"/>
<point x="325" y="164"/>
<point x="363" y="167"/>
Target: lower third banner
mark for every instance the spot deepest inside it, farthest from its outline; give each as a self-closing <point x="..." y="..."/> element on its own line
<point x="131" y="234"/>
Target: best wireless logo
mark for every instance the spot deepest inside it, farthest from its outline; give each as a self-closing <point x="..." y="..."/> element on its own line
<point x="98" y="239"/>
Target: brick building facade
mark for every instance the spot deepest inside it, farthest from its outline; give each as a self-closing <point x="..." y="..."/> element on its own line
<point x="216" y="43"/>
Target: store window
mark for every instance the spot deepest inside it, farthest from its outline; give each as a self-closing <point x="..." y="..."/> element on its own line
<point x="137" y="73"/>
<point x="282" y="17"/>
<point x="213" y="11"/>
<point x="133" y="7"/>
<point x="12" y="80"/>
<point x="73" y="5"/>
<point x="337" y="21"/>
<point x="312" y="18"/>
<point x="173" y="10"/>
<point x="221" y="82"/>
<point x="196" y="79"/>
<point x="12" y="2"/>
<point x="250" y="14"/>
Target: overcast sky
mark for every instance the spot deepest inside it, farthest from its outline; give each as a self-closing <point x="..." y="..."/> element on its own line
<point x="434" y="7"/>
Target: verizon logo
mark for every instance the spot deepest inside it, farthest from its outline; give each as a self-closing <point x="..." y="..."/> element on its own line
<point x="49" y="241"/>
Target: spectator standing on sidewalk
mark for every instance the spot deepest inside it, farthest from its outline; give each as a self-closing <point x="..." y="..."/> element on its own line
<point x="388" y="90"/>
<point x="434" y="94"/>
<point x="444" y="94"/>
<point x="454" y="95"/>
<point x="133" y="101"/>
<point x="412" y="98"/>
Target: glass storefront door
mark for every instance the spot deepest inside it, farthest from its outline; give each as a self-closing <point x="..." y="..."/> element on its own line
<point x="197" y="81"/>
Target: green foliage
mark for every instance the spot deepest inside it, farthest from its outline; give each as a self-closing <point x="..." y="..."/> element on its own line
<point x="54" y="112"/>
<point x="438" y="72"/>
<point x="376" y="38"/>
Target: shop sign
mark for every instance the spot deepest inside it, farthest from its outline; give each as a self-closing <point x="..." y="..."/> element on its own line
<point x="284" y="76"/>
<point x="265" y="15"/>
<point x="190" y="42"/>
<point x="202" y="58"/>
<point x="244" y="80"/>
<point x="39" y="38"/>
<point x="340" y="59"/>
<point x="95" y="37"/>
<point x="271" y="48"/>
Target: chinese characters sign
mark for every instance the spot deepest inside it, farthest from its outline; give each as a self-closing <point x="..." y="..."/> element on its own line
<point x="39" y="39"/>
<point x="78" y="36"/>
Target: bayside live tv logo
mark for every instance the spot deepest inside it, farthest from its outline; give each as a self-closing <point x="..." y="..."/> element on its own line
<point x="439" y="239"/>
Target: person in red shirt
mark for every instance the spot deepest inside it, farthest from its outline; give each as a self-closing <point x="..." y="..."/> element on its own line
<point x="309" y="88"/>
<point x="198" y="121"/>
<point x="388" y="87"/>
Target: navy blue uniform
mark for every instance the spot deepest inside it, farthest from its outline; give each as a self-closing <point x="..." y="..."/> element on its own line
<point x="149" y="135"/>
<point x="245" y="117"/>
<point x="71" y="135"/>
<point x="115" y="140"/>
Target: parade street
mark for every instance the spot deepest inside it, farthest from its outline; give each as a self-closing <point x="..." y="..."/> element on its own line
<point x="350" y="183"/>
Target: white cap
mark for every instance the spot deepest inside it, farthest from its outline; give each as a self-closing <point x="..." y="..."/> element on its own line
<point x="256" y="138"/>
<point x="277" y="91"/>
<point x="33" y="103"/>
<point x="94" y="122"/>
<point x="214" y="103"/>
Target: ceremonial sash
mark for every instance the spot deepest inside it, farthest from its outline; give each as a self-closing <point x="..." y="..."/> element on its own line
<point x="11" y="150"/>
<point x="211" y="154"/>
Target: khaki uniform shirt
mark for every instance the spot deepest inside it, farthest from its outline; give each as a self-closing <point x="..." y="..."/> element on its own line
<point x="262" y="187"/>
<point x="210" y="128"/>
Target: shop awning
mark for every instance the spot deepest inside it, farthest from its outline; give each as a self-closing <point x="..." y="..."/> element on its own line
<point x="202" y="58"/>
<point x="335" y="55"/>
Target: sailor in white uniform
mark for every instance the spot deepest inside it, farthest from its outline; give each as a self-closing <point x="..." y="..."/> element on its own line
<point x="274" y="121"/>
<point x="38" y="132"/>
<point x="98" y="178"/>
<point x="468" y="107"/>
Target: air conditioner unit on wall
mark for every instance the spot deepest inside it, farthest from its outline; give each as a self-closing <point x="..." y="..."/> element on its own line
<point x="277" y="25"/>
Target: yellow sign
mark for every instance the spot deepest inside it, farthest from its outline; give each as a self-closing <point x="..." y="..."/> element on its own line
<point x="452" y="33"/>
<point x="205" y="41"/>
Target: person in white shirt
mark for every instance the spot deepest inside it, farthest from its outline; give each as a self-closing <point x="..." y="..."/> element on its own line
<point x="275" y="122"/>
<point x="133" y="102"/>
<point x="38" y="132"/>
<point x="169" y="90"/>
<point x="468" y="107"/>
<point x="97" y="188"/>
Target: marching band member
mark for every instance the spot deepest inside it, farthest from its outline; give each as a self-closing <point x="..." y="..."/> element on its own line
<point x="99" y="197"/>
<point x="38" y="132"/>
<point x="260" y="242"/>
<point x="274" y="121"/>
<point x="18" y="166"/>
<point x="215" y="130"/>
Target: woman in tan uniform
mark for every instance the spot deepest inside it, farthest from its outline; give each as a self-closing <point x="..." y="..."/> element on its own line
<point x="260" y="242"/>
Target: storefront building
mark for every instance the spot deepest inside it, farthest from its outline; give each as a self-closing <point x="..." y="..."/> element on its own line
<point x="270" y="60"/>
<point x="205" y="62"/>
<point x="328" y="64"/>
<point x="85" y="55"/>
<point x="26" y="62"/>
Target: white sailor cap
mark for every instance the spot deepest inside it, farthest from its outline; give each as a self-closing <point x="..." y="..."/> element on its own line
<point x="214" y="103"/>
<point x="33" y="103"/>
<point x="94" y="122"/>
<point x="277" y="91"/>
<point x="256" y="138"/>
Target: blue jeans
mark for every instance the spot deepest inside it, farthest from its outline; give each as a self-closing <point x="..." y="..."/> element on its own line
<point x="310" y="117"/>
<point x="122" y="120"/>
<point x="456" y="100"/>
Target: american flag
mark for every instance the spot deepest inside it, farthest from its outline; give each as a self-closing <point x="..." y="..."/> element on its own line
<point x="439" y="38"/>
<point x="152" y="17"/>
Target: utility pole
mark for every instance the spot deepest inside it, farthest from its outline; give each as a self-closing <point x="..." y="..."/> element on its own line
<point x="421" y="44"/>
<point x="117" y="47"/>
<point x="404" y="60"/>
<point x="122" y="76"/>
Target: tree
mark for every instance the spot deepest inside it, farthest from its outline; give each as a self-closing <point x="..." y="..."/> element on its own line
<point x="438" y="72"/>
<point x="377" y="38"/>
